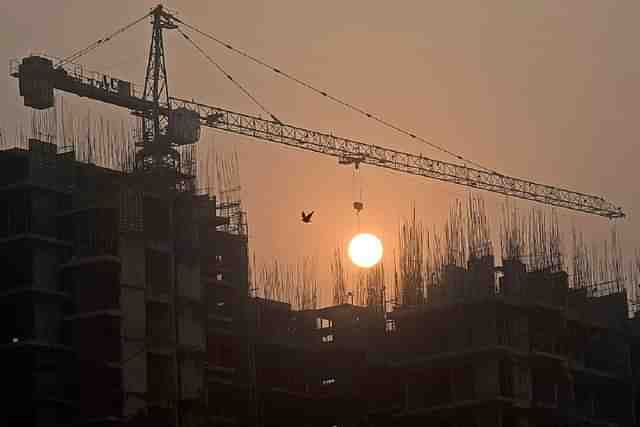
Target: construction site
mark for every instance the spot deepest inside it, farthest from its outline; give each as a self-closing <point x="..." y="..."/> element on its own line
<point x="130" y="297"/>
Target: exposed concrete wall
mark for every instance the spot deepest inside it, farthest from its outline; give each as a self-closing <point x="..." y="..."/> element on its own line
<point x="191" y="328"/>
<point x="45" y="268"/>
<point x="484" y="325"/>
<point x="48" y="313"/>
<point x="133" y="405"/>
<point x="134" y="327"/>
<point x="488" y="417"/>
<point x="512" y="328"/>
<point x="192" y="379"/>
<point x="610" y="310"/>
<point x="132" y="255"/>
<point x="522" y="380"/>
<point x="158" y="273"/>
<point x="132" y="301"/>
<point x="160" y="328"/>
<point x="134" y="374"/>
<point x="48" y="321"/>
<point x="487" y="378"/>
<point x="189" y="284"/>
<point x="161" y="389"/>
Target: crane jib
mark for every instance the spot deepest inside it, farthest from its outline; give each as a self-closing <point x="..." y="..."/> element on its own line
<point x="396" y="160"/>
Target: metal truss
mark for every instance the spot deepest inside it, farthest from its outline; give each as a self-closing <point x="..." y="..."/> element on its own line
<point x="351" y="151"/>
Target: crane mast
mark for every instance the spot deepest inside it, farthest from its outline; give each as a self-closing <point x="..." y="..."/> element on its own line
<point x="155" y="146"/>
<point x="172" y="122"/>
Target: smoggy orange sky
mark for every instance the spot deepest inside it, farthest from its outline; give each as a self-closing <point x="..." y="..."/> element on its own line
<point x="543" y="90"/>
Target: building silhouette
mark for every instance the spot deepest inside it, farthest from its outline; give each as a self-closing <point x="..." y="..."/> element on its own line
<point x="125" y="302"/>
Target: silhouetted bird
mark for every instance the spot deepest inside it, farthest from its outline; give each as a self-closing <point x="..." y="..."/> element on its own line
<point x="306" y="218"/>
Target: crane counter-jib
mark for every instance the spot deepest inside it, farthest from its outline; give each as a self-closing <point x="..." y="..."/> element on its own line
<point x="38" y="78"/>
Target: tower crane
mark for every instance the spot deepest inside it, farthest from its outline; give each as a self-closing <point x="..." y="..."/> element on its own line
<point x="169" y="123"/>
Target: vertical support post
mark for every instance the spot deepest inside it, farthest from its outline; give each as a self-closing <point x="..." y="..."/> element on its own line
<point x="176" y="309"/>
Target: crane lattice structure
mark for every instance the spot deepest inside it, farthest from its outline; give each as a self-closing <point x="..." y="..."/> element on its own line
<point x="169" y="123"/>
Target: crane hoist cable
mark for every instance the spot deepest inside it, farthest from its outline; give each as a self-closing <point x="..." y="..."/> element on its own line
<point x="229" y="76"/>
<point x="333" y="98"/>
<point x="80" y="53"/>
<point x="358" y="204"/>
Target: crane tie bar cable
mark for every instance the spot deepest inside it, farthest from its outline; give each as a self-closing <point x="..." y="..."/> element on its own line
<point x="229" y="77"/>
<point x="74" y="56"/>
<point x="335" y="99"/>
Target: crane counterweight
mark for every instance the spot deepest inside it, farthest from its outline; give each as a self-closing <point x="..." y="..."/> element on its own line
<point x="36" y="87"/>
<point x="184" y="126"/>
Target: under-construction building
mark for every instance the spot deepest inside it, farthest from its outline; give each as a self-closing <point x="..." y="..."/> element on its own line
<point x="473" y="342"/>
<point x="112" y="291"/>
<point x="496" y="347"/>
<point x="522" y="349"/>
<point x="125" y="303"/>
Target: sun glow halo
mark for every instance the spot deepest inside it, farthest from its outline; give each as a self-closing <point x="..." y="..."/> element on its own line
<point x="365" y="250"/>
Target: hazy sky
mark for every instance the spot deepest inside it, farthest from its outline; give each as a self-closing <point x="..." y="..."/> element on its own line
<point x="544" y="90"/>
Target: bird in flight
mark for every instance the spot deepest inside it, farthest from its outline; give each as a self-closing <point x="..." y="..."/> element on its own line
<point x="306" y="218"/>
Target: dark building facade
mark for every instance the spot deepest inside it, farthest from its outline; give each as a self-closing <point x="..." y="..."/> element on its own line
<point x="529" y="351"/>
<point x="109" y="279"/>
<point x="125" y="303"/>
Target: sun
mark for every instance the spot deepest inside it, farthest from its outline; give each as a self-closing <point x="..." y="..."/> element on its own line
<point x="365" y="250"/>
